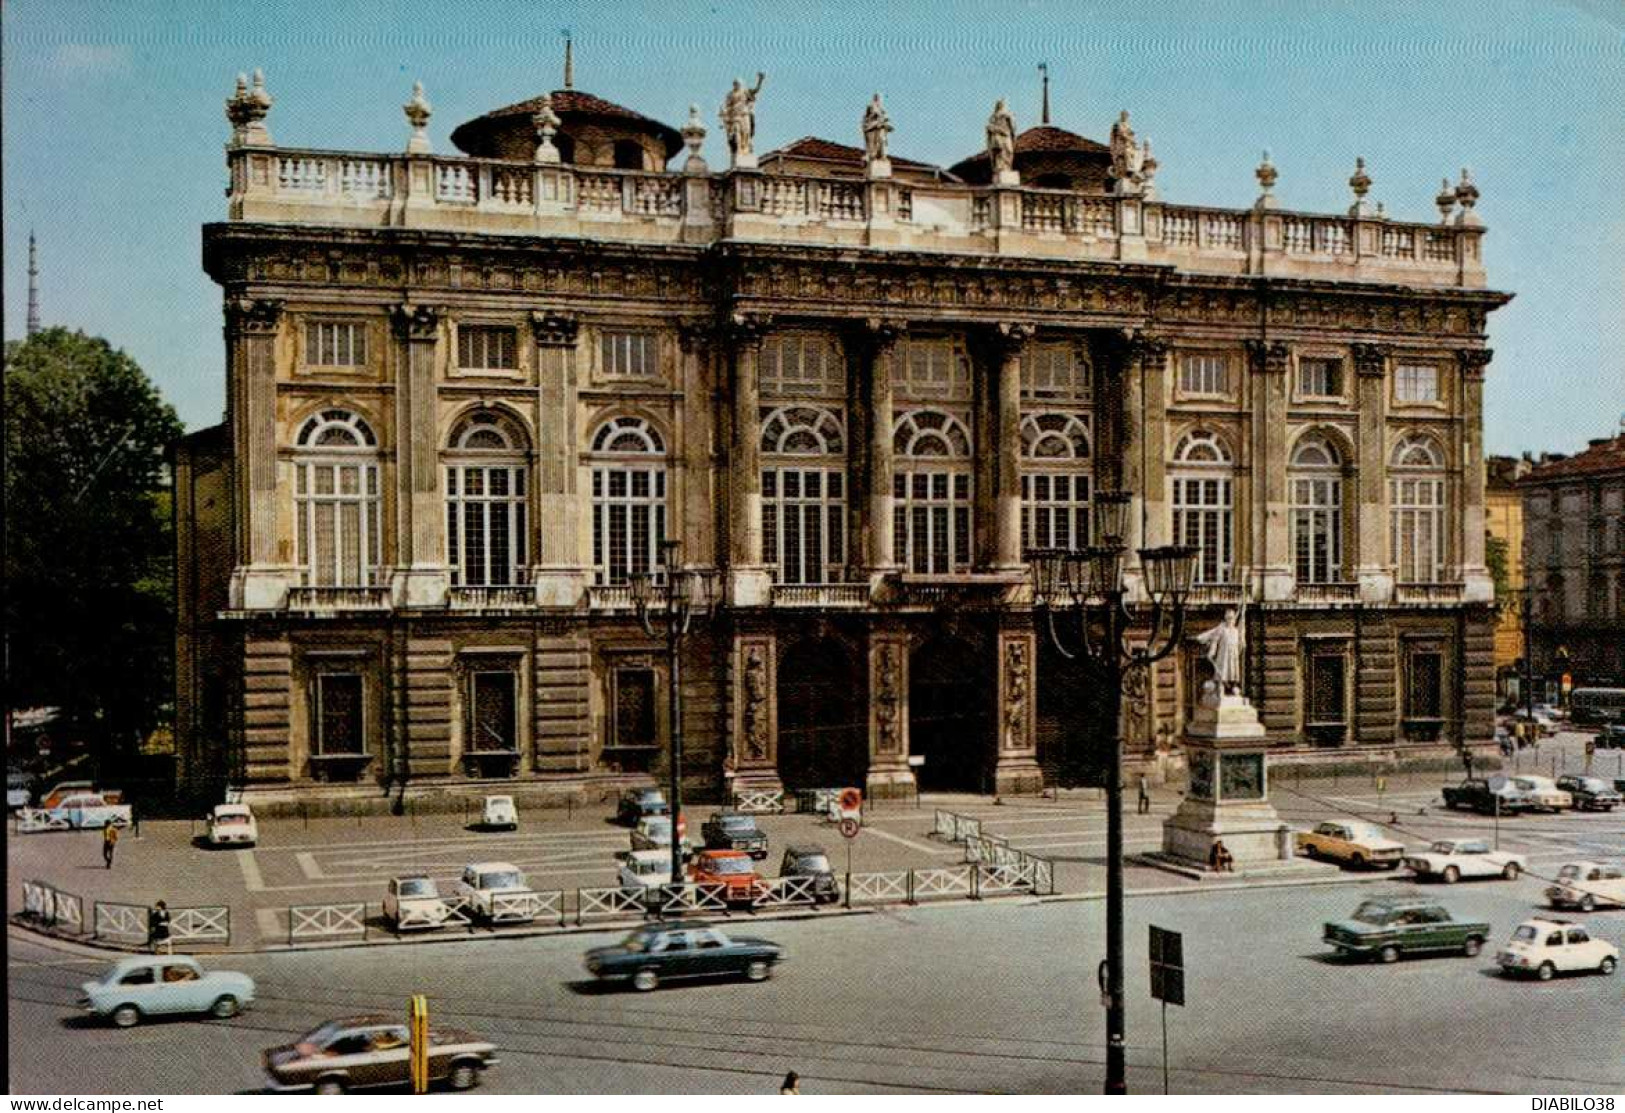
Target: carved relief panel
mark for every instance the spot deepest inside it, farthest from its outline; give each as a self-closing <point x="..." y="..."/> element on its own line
<point x="755" y="716"/>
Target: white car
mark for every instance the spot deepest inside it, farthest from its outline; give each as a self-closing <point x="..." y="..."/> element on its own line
<point x="1358" y="844"/>
<point x="414" y="902"/>
<point x="1547" y="947"/>
<point x="499" y="811"/>
<point x="17" y="794"/>
<point x="1587" y="886"/>
<point x="653" y="832"/>
<point x="487" y="889"/>
<point x="1541" y="793"/>
<point x="232" y="825"/>
<point x="645" y="869"/>
<point x="89" y="809"/>
<point x="1453" y="859"/>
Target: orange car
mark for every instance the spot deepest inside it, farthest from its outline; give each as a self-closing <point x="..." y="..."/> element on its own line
<point x="731" y="868"/>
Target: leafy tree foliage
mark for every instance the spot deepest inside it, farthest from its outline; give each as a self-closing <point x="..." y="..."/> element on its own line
<point x="88" y="547"/>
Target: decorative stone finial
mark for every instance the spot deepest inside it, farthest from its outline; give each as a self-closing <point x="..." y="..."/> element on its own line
<point x="1360" y="183"/>
<point x="546" y="122"/>
<point x="1148" y="172"/>
<point x="1467" y="194"/>
<point x="246" y="110"/>
<point x="417" y="112"/>
<point x="1266" y="175"/>
<point x="693" y="133"/>
<point x="1446" y="200"/>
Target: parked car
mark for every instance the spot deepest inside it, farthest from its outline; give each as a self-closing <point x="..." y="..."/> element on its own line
<point x="1544" y="723"/>
<point x="232" y="825"/>
<point x="1453" y="859"/>
<point x="735" y="831"/>
<point x="363" y="1052"/>
<point x="88" y="810"/>
<point x="64" y="789"/>
<point x="808" y="860"/>
<point x="1587" y="886"/>
<point x="1545" y="947"/>
<point x="1357" y="844"/>
<point x="1482" y="796"/>
<point x="635" y="803"/>
<point x="1611" y="736"/>
<point x="1540" y="794"/>
<point x="1388" y="926"/>
<point x="732" y="869"/>
<point x="653" y="832"/>
<point x="499" y="811"/>
<point x="414" y="901"/>
<point x="134" y="989"/>
<point x="667" y="952"/>
<point x="645" y="871"/>
<point x="1590" y="793"/>
<point x="483" y="883"/>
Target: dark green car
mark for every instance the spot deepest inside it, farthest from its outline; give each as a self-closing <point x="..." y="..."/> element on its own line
<point x="1387" y="927"/>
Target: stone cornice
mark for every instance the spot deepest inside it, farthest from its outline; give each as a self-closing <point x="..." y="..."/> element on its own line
<point x="417" y="322"/>
<point x="1473" y="362"/>
<point x="253" y="316"/>
<point x="1370" y="360"/>
<point x="1269" y="357"/>
<point x="554" y="329"/>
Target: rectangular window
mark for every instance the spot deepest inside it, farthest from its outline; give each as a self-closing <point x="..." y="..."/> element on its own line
<point x="800" y="363"/>
<point x="337" y="524"/>
<point x="629" y="354"/>
<point x="1054" y="511"/>
<point x="336" y="344"/>
<point x="803" y="524"/>
<point x="932" y="519"/>
<point x="1320" y="378"/>
<point x="1317" y="530"/>
<point x="485" y="525"/>
<point x="933" y="369"/>
<point x="628" y="522"/>
<point x="493" y="713"/>
<point x="1055" y="372"/>
<point x="1424" y="693"/>
<point x="486" y="348"/>
<point x="1416" y="382"/>
<point x="1204" y="520"/>
<point x="1325" y="693"/>
<point x="1416" y="529"/>
<point x="634" y="720"/>
<point x="1204" y="373"/>
<point x="340" y="716"/>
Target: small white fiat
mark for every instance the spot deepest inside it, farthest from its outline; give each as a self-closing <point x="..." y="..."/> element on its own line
<point x="499" y="812"/>
<point x="1548" y="947"/>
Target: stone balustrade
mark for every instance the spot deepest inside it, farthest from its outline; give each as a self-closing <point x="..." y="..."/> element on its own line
<point x="283" y="185"/>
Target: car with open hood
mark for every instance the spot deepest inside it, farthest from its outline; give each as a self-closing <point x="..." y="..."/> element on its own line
<point x="146" y="986"/>
<point x="680" y="950"/>
<point x="367" y="1052"/>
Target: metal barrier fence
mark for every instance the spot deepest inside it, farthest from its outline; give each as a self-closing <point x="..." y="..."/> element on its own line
<point x="955" y="827"/>
<point x="683" y="900"/>
<point x="993" y="851"/>
<point x="207" y="924"/>
<point x="326" y="921"/>
<point x="945" y="882"/>
<point x="125" y="922"/>
<point x="878" y="888"/>
<point x="598" y="904"/>
<point x="782" y="892"/>
<point x="527" y="907"/>
<point x="763" y="801"/>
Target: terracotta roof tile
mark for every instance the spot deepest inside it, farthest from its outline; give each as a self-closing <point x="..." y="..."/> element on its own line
<point x="1599" y="459"/>
<point x="811" y="146"/>
<point x="573" y="102"/>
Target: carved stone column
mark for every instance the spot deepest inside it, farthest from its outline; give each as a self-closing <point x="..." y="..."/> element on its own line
<point x="889" y="771"/>
<point x="1016" y="766"/>
<point x="261" y="581"/>
<point x="1148" y="360"/>
<point x="1006" y="346"/>
<point x="561" y="575"/>
<point x="1268" y="363"/>
<point x="879" y="343"/>
<point x="755" y="747"/>
<point x="698" y="491"/>
<point x="421" y="579"/>
<point x="1375" y="573"/>
<point x="749" y="583"/>
<point x="1474" y="573"/>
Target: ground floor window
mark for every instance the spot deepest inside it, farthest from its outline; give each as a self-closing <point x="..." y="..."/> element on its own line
<point x="491" y="746"/>
<point x="1424" y="692"/>
<point x="1325" y="695"/>
<point x="633" y="734"/>
<point x="340" y="715"/>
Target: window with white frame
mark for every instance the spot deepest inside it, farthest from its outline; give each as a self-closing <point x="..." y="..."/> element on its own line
<point x="1315" y="479"/>
<point x="1202" y="477"/>
<point x="1056" y="373"/>
<point x="1055" y="481"/>
<point x="932" y="369"/>
<point x="800" y="363"/>
<point x="487" y="348"/>
<point x="1204" y="373"/>
<point x="1416" y="382"/>
<point x="803" y="495"/>
<point x="337" y="507"/>
<point x="629" y="353"/>
<point x="486" y="502"/>
<point x="931" y="490"/>
<point x="1320" y="377"/>
<point x="628" y="499"/>
<point x="1416" y="534"/>
<point x="336" y="344"/>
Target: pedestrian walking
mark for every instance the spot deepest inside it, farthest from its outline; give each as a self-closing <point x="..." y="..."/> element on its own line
<point x="791" y="1084"/>
<point x="1145" y="796"/>
<point x="158" y="929"/>
<point x="109" y="844"/>
<point x="135" y="821"/>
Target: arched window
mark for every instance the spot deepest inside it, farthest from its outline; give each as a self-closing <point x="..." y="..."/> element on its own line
<point x="1202" y="478"/>
<point x="628" y="499"/>
<point x="803" y="494"/>
<point x="487" y="501"/>
<point x="628" y="155"/>
<point x="1055" y="481"/>
<point x="931" y="492"/>
<point x="337" y="506"/>
<point x="1416" y="533"/>
<point x="1315" y="478"/>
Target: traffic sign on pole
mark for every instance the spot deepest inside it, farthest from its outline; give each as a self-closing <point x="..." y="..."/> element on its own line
<point x="1167" y="966"/>
<point x="850" y="827"/>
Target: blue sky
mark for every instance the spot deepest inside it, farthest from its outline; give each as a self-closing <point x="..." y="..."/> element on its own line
<point x="114" y="128"/>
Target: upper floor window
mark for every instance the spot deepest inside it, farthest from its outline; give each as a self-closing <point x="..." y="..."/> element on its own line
<point x="930" y="433"/>
<point x="1416" y="382"/>
<point x="1416" y="534"/>
<point x="338" y="531"/>
<point x="931" y="488"/>
<point x="486" y="502"/>
<point x="336" y="344"/>
<point x="1055" y="481"/>
<point x="800" y="363"/>
<point x="1204" y="373"/>
<point x="628" y="499"/>
<point x="1202" y="478"/>
<point x="803" y="506"/>
<point x="1315" y="479"/>
<point x="1056" y="372"/>
<point x="629" y="353"/>
<point x="933" y="369"/>
<point x="487" y="348"/>
<point x="1320" y="377"/>
<point x="802" y="431"/>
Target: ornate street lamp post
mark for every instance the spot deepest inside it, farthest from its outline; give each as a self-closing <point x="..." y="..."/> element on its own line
<point x="670" y="602"/>
<point x="1088" y="584"/>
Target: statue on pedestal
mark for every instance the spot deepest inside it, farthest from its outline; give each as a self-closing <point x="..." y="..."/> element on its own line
<point x="738" y="116"/>
<point x="1128" y="161"/>
<point x="1224" y="644"/>
<point x="1001" y="139"/>
<point x="876" y="126"/>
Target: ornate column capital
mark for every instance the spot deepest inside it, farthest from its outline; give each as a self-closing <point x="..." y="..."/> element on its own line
<point x="696" y="334"/>
<point x="245" y="315"/>
<point x="1473" y="361"/>
<point x="1370" y="360"/>
<point x="747" y="330"/>
<point x="416" y="322"/>
<point x="554" y="329"/>
<point x="1142" y="346"/>
<point x="1008" y="338"/>
<point x="1268" y="356"/>
<point x="877" y="334"/>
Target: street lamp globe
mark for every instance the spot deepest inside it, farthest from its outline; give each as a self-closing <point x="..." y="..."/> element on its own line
<point x="1111" y="516"/>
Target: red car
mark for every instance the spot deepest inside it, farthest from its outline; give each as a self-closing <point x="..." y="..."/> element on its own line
<point x="734" y="869"/>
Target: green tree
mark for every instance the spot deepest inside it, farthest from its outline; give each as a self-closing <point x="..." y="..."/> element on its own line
<point x="89" y="553"/>
<point x="1495" y="559"/>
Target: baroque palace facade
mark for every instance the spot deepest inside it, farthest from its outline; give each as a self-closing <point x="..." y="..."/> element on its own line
<point x="470" y="395"/>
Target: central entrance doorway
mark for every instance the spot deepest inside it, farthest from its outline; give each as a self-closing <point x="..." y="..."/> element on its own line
<point x="821" y="719"/>
<point x="950" y="719"/>
<point x="1075" y="720"/>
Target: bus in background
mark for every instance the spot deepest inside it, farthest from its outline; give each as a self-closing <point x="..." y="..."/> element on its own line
<point x="1595" y="707"/>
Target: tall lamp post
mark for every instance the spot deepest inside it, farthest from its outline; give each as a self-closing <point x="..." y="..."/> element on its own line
<point x="670" y="602"/>
<point x="1087" y="583"/>
<point x="1527" y="600"/>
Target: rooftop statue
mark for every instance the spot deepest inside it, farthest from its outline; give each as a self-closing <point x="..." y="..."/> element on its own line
<point x="876" y="127"/>
<point x="1128" y="160"/>
<point x="1001" y="139"/>
<point x="738" y="118"/>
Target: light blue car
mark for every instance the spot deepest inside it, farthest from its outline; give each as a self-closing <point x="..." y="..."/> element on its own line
<point x="165" y="985"/>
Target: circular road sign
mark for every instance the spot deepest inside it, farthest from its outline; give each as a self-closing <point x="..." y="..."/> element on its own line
<point x="849" y="828"/>
<point x="851" y="799"/>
